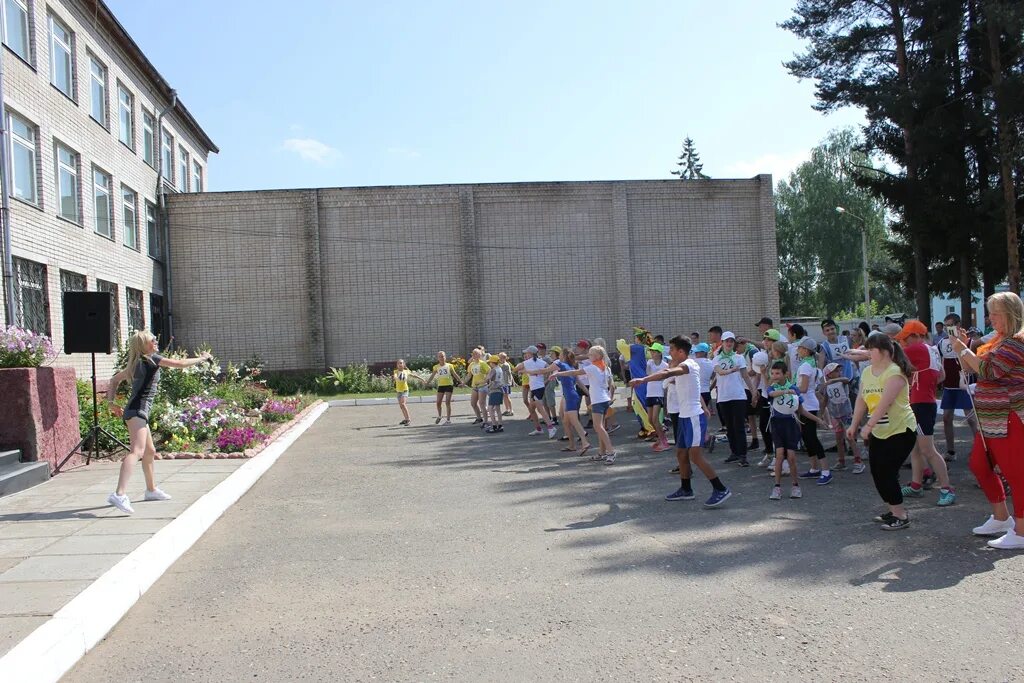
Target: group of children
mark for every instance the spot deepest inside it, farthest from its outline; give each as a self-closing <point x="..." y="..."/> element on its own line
<point x="780" y="388"/>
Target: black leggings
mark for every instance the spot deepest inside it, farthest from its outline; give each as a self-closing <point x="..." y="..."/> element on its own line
<point x="734" y="418"/>
<point x="809" y="434"/>
<point x="765" y="414"/>
<point x="887" y="457"/>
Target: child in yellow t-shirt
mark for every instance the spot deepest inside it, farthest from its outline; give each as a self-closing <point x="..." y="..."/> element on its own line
<point x="402" y="375"/>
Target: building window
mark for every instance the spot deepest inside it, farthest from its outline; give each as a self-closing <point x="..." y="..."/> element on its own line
<point x="61" y="64"/>
<point x="32" y="305"/>
<point x="197" y="177"/>
<point x="98" y="90"/>
<point x="148" y="141"/>
<point x="67" y="183"/>
<point x="125" y="117"/>
<point x="136" y="316"/>
<point x="156" y="315"/>
<point x="167" y="155"/>
<point x="71" y="282"/>
<point x="950" y="309"/>
<point x="104" y="213"/>
<point x="115" y="309"/>
<point x="16" y="28"/>
<point x="23" y="158"/>
<point x="182" y="169"/>
<point x="153" y="232"/>
<point x="129" y="208"/>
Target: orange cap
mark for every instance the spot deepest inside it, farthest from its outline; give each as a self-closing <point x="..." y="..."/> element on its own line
<point x="912" y="327"/>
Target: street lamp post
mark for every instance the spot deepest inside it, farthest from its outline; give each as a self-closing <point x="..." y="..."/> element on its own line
<point x="864" y="256"/>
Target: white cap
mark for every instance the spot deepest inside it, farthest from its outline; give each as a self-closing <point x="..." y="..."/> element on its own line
<point x="760" y="359"/>
<point x="728" y="335"/>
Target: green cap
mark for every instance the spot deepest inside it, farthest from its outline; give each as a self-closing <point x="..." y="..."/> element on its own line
<point x="657" y="347"/>
<point x="774" y="335"/>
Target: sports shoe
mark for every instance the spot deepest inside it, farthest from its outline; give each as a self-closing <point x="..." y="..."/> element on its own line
<point x="437" y="421"/>
<point x="507" y="413"/>
<point x="824" y="479"/>
<point x="858" y="468"/>
<point x="596" y="457"/>
<point x="743" y="462"/>
<point x="448" y="421"/>
<point x="610" y="458"/>
<point x="911" y="492"/>
<point x="766" y="461"/>
<point x="810" y="474"/>
<point x="776" y="493"/>
<point x="732" y="458"/>
<point x="717" y="498"/>
<point x="661" y="447"/>
<point x="895" y="524"/>
<point x="489" y="429"/>
<point x="884" y="518"/>
<point x="795" y="492"/>
<point x="403" y="422"/>
<point x="674" y="470"/>
<point x="946" y="497"/>
<point x="722" y="430"/>
<point x="535" y="432"/>
<point x="156" y="494"/>
<point x="478" y="420"/>
<point x="993" y="527"/>
<point x="552" y="432"/>
<point x="927" y="480"/>
<point x="121" y="503"/>
<point x="680" y="494"/>
<point x="839" y="466"/>
<point x="616" y="427"/>
<point x="950" y="456"/>
<point x="1008" y="541"/>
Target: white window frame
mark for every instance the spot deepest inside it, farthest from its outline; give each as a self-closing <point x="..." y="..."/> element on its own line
<point x="98" y="81"/>
<point x="33" y="148"/>
<point x="72" y="170"/>
<point x="123" y="109"/>
<point x="149" y="130"/>
<point x="130" y="216"/>
<point x="97" y="190"/>
<point x="197" y="176"/>
<point x="184" y="164"/>
<point x="26" y="26"/>
<point x="69" y="48"/>
<point x="167" y="162"/>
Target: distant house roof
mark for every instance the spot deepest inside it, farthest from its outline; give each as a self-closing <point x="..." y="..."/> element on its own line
<point x="110" y="22"/>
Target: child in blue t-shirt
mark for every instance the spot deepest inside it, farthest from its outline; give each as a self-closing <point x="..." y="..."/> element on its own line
<point x="786" y="404"/>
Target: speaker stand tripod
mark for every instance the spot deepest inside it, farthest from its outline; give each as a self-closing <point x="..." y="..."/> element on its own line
<point x="94" y="432"/>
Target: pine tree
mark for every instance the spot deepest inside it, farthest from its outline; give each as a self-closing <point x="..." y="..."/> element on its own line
<point x="689" y="164"/>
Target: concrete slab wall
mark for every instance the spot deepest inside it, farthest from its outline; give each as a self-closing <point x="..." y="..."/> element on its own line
<point x="317" y="278"/>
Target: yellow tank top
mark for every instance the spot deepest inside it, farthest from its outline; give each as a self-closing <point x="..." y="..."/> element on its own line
<point x="899" y="418"/>
<point x="401" y="380"/>
<point x="479" y="370"/>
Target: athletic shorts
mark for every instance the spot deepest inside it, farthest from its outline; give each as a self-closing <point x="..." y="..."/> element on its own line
<point x="840" y="423"/>
<point x="652" y="401"/>
<point x="692" y="432"/>
<point x="446" y="390"/>
<point x="600" y="408"/>
<point x="402" y="394"/>
<point x="537" y="394"/>
<point x="706" y="395"/>
<point x="482" y="389"/>
<point x="572" y="402"/>
<point x="925" y="414"/>
<point x="785" y="433"/>
<point x="495" y="398"/>
<point x="956" y="399"/>
<point x="507" y="390"/>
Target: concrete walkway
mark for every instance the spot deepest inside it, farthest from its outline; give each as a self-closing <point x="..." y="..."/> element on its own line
<point x="57" y="538"/>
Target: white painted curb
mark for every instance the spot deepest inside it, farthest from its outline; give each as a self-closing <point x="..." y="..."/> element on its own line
<point x="51" y="650"/>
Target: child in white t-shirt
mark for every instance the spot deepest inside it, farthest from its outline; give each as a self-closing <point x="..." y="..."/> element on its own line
<point x="656" y="397"/>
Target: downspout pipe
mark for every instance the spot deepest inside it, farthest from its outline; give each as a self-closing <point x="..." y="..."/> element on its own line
<point x="5" y="204"/>
<point x="162" y="217"/>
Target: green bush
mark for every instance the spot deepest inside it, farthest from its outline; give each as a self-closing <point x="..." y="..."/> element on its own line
<point x="291" y="383"/>
<point x="250" y="395"/>
<point x="419" y="363"/>
<point x="110" y="422"/>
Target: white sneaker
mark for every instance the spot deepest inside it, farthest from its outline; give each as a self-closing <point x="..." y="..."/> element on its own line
<point x="766" y="461"/>
<point x="858" y="468"/>
<point x="156" y="494"/>
<point x="1008" y="541"/>
<point x="535" y="432"/>
<point x="776" y="493"/>
<point x="993" y="527"/>
<point x="552" y="432"/>
<point x="609" y="459"/>
<point x="448" y="421"/>
<point x="122" y="503"/>
<point x="795" y="492"/>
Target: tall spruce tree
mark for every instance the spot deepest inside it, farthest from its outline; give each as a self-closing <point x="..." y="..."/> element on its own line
<point x="690" y="167"/>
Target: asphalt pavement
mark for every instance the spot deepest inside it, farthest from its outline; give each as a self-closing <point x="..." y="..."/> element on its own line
<point x="377" y="552"/>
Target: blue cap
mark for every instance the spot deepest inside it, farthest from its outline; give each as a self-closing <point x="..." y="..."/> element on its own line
<point x="702" y="348"/>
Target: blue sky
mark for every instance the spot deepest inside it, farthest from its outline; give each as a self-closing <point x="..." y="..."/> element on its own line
<point x="322" y="93"/>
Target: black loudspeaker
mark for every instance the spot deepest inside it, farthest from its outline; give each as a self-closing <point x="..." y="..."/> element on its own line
<point x="88" y="322"/>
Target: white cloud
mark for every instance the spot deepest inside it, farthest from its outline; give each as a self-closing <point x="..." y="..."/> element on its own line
<point x="312" y="150"/>
<point x="405" y="153"/>
<point x="779" y="165"/>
